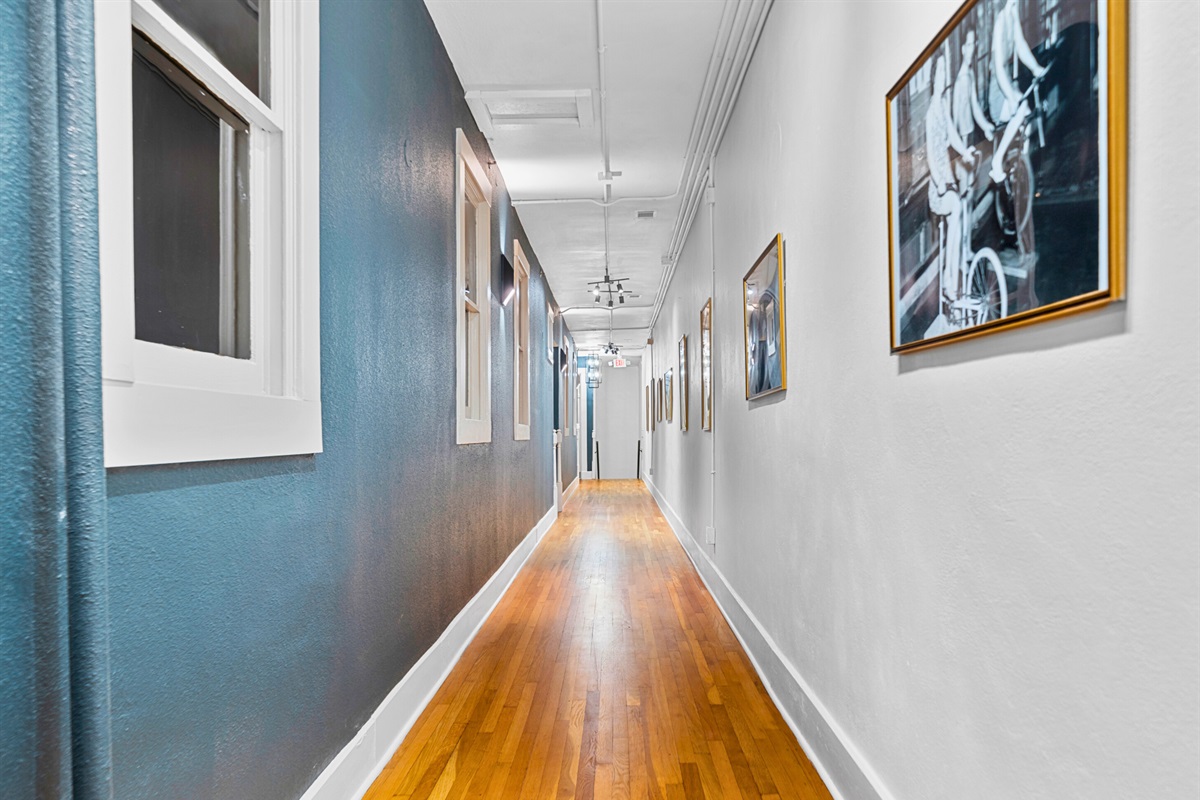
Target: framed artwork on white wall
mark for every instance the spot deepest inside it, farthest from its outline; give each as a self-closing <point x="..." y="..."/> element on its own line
<point x="683" y="383"/>
<point x="706" y="366"/>
<point x="764" y="327"/>
<point x="1006" y="170"/>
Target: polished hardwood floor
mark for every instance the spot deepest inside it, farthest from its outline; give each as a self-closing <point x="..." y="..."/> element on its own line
<point x="606" y="671"/>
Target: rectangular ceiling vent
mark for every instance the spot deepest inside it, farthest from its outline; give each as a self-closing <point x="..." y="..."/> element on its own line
<point x="645" y="214"/>
<point x="497" y="109"/>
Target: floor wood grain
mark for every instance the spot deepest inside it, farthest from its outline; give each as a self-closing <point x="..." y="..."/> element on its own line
<point x="605" y="673"/>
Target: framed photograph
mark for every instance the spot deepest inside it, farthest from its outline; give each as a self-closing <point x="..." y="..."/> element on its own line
<point x="669" y="395"/>
<point x="706" y="366"/>
<point x="658" y="415"/>
<point x="683" y="383"/>
<point x="654" y="407"/>
<point x="647" y="408"/>
<point x="1006" y="170"/>
<point x="763" y="323"/>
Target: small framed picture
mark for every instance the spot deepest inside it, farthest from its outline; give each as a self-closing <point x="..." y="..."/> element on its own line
<point x="706" y="366"/>
<point x="683" y="383"/>
<point x="763" y="323"/>
<point x="669" y="395"/>
<point x="658" y="415"/>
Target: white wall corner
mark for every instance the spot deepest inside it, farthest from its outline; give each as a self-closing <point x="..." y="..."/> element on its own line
<point x="352" y="771"/>
<point x="839" y="762"/>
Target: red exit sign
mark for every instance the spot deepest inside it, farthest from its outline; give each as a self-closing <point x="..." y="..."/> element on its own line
<point x="619" y="362"/>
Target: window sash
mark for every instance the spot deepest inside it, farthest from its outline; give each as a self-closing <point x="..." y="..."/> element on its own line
<point x="168" y="404"/>
<point x="473" y="259"/>
<point x="521" y="327"/>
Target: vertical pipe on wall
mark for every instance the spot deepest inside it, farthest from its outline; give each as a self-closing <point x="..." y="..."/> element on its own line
<point x="712" y="290"/>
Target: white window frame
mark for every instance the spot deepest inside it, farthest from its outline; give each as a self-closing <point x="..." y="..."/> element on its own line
<point x="521" y="420"/>
<point x="474" y="420"/>
<point x="168" y="404"/>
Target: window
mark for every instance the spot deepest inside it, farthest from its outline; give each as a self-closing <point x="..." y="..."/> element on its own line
<point x="568" y="383"/>
<point x="473" y="199"/>
<point x="521" y="344"/>
<point x="207" y="119"/>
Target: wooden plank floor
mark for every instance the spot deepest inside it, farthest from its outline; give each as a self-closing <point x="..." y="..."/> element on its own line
<point x="606" y="671"/>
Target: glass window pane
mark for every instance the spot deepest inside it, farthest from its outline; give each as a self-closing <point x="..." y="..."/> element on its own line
<point x="235" y="31"/>
<point x="469" y="358"/>
<point x="190" y="161"/>
<point x="470" y="249"/>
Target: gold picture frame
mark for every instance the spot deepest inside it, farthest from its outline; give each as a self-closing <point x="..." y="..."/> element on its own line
<point x="992" y="281"/>
<point x="669" y="394"/>
<point x="658" y="414"/>
<point x="683" y="383"/>
<point x="706" y="366"/>
<point x="764" y="328"/>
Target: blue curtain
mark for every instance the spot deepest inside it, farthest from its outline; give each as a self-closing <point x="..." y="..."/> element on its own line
<point x="54" y="677"/>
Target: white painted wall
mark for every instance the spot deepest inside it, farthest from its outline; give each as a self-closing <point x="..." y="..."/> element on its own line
<point x="618" y="421"/>
<point x="1044" y="641"/>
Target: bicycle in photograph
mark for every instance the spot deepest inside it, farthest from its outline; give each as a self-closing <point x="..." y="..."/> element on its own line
<point x="979" y="293"/>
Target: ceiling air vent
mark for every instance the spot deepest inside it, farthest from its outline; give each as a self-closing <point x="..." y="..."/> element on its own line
<point x="646" y="214"/>
<point x="522" y="108"/>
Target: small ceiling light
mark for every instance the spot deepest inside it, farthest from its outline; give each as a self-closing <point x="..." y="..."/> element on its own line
<point x="621" y="297"/>
<point x="596" y="291"/>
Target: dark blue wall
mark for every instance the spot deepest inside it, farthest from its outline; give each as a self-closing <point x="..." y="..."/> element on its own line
<point x="261" y="610"/>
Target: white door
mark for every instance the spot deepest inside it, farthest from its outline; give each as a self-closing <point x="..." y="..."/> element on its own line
<point x="582" y="429"/>
<point x="618" y="420"/>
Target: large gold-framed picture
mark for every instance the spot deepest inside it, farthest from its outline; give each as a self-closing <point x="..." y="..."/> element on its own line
<point x="763" y="323"/>
<point x="1006" y="170"/>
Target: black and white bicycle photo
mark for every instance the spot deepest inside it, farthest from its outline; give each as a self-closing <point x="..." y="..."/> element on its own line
<point x="999" y="169"/>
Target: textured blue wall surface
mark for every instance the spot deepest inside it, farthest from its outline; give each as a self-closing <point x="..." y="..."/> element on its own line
<point x="54" y="710"/>
<point x="261" y="610"/>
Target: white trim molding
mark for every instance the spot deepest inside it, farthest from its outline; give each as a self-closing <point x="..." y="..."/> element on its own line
<point x="839" y="762"/>
<point x="355" y="768"/>
<point x="570" y="491"/>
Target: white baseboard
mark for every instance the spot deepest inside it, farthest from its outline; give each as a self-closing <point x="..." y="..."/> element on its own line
<point x="359" y="763"/>
<point x="570" y="491"/>
<point x="839" y="762"/>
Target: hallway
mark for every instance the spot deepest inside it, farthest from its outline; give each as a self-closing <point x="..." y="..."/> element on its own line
<point x="606" y="671"/>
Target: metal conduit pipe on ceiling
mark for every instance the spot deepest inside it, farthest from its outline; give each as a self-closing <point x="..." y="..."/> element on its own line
<point x="738" y="63"/>
<point x="700" y="119"/>
<point x="738" y="32"/>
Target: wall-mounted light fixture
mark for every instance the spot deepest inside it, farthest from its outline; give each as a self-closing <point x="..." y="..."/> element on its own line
<point x="508" y="284"/>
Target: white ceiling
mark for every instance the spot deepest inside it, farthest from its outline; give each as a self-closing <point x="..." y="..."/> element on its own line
<point x="657" y="54"/>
